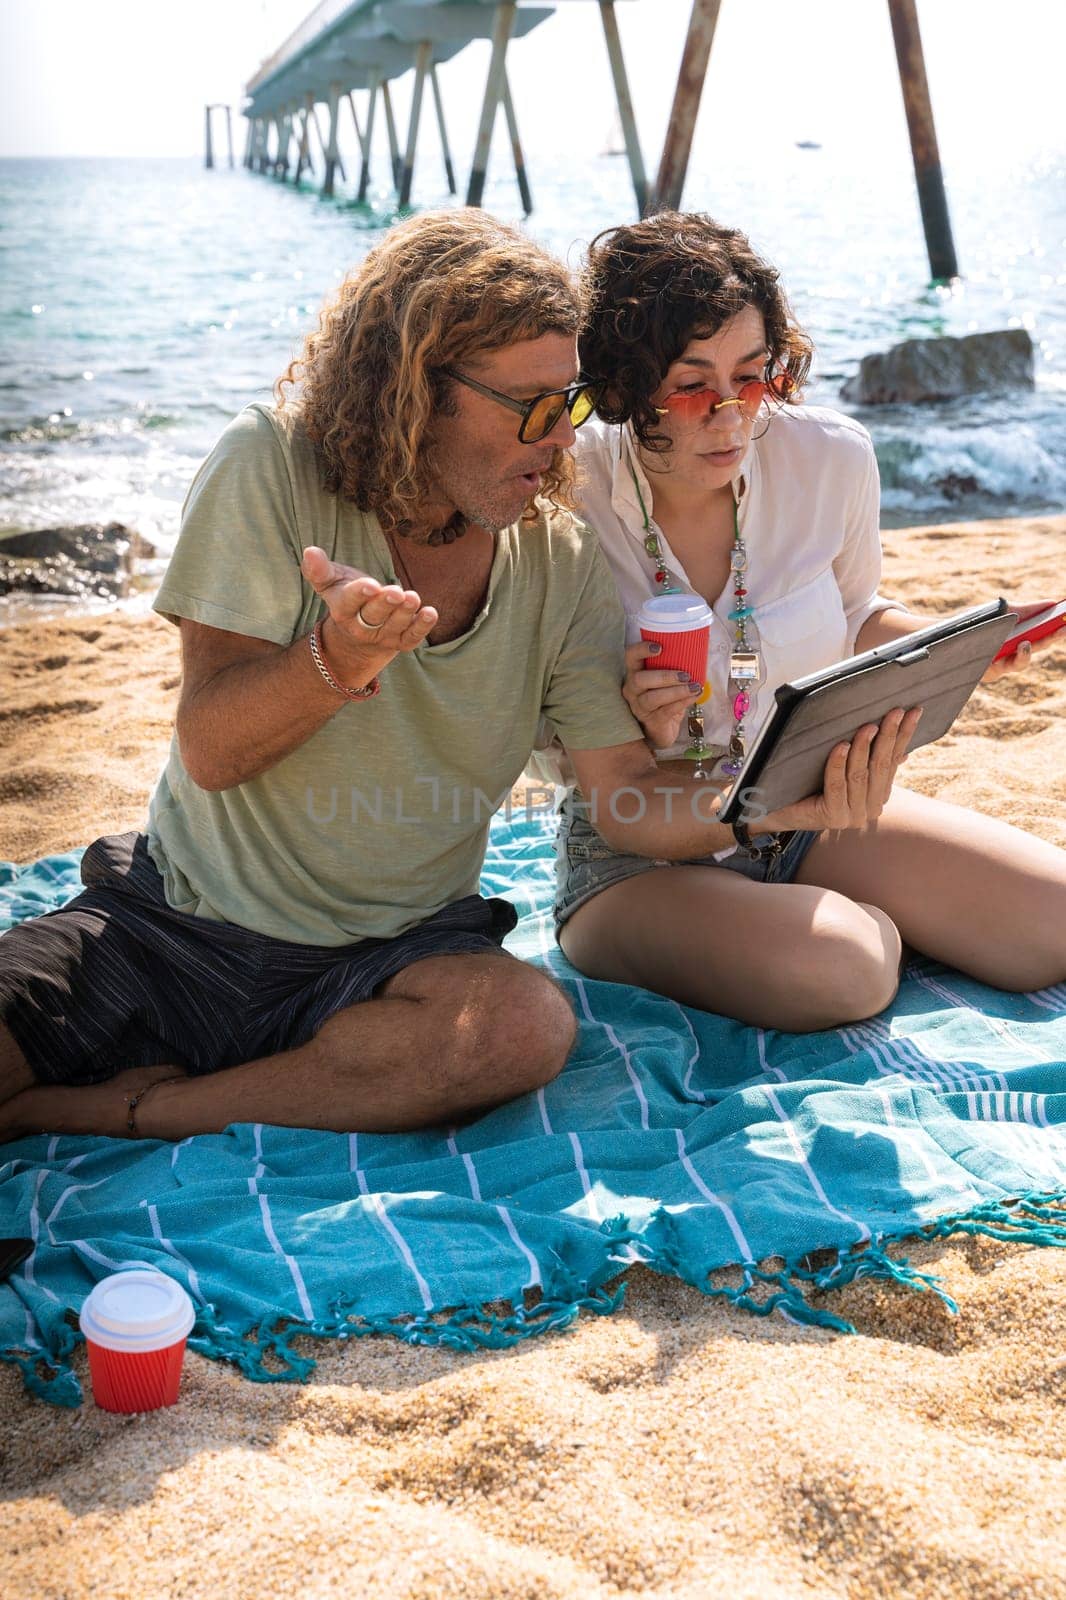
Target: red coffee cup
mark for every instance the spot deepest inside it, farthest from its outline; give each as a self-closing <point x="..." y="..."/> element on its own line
<point x="681" y="624"/>
<point x="135" y="1325"/>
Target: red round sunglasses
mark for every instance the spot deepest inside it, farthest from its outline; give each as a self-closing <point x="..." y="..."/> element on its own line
<point x="695" y="404"/>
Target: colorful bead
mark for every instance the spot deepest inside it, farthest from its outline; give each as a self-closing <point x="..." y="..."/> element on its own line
<point x="651" y="545"/>
<point x="741" y="705"/>
<point x="660" y="577"/>
<point x="740" y="613"/>
<point x="731" y="768"/>
<point x="745" y="668"/>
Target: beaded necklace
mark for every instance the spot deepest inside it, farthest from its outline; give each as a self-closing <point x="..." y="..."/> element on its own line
<point x="745" y="665"/>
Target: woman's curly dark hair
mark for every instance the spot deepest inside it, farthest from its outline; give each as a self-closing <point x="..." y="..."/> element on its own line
<point x="437" y="289"/>
<point x="651" y="287"/>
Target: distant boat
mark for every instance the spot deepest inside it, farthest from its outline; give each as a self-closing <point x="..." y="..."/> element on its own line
<point x="615" y="142"/>
<point x="807" y="144"/>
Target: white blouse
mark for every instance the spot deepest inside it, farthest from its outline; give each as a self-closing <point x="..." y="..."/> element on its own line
<point x="808" y="510"/>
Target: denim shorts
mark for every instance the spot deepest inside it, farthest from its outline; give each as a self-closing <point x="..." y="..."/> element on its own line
<point x="117" y="978"/>
<point x="585" y="863"/>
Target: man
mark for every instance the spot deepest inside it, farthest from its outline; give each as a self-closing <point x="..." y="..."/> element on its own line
<point x="380" y="594"/>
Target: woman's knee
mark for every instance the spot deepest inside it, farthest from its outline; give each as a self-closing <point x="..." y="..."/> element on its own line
<point x="852" y="963"/>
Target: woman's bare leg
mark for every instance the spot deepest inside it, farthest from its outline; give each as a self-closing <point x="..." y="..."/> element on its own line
<point x="774" y="955"/>
<point x="963" y="888"/>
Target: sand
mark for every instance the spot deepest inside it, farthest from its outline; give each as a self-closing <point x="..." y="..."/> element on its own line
<point x="678" y="1449"/>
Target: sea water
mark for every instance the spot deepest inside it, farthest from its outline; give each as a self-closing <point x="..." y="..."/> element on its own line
<point x="144" y="302"/>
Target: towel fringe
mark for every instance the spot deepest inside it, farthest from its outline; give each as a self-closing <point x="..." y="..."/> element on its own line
<point x="264" y="1352"/>
<point x="1036" y="1218"/>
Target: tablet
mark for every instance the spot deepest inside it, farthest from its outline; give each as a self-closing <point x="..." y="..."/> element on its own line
<point x="938" y="668"/>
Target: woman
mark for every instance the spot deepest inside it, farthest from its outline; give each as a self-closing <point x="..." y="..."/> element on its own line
<point x="706" y="474"/>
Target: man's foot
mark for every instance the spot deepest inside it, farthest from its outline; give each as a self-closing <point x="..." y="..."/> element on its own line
<point x="101" y="1108"/>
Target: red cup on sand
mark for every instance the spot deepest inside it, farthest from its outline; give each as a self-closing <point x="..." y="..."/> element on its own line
<point x="681" y="623"/>
<point x="135" y="1325"/>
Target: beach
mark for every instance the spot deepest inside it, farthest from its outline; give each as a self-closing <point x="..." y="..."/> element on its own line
<point x="679" y="1448"/>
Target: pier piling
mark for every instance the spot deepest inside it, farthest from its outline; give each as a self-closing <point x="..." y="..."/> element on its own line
<point x="449" y="169"/>
<point x="323" y="145"/>
<point x="673" y="167"/>
<point x="366" y="140"/>
<point x="423" y="61"/>
<point x="209" y="152"/>
<point x="283" y="133"/>
<point x="390" y="125"/>
<point x="503" y="27"/>
<point x="516" y="147"/>
<point x="332" y="153"/>
<point x="932" y="200"/>
<point x="303" y="158"/>
<point x="634" y="153"/>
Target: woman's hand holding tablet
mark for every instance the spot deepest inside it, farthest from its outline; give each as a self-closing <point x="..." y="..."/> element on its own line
<point x="1036" y="623"/>
<point x="789" y="763"/>
<point x="857" y="783"/>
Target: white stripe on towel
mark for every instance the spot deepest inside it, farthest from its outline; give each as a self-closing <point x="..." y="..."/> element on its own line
<point x="812" y="1176"/>
<point x="708" y="1194"/>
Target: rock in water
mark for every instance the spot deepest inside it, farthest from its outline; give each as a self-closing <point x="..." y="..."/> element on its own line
<point x="86" y="560"/>
<point x="943" y="369"/>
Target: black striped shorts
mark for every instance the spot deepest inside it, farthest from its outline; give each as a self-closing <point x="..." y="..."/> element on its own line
<point x="117" y="979"/>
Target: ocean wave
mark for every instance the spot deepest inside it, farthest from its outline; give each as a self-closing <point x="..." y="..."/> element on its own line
<point x="145" y="491"/>
<point x="942" y="465"/>
<point x="57" y="428"/>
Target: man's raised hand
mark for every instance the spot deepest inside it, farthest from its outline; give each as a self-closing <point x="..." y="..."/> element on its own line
<point x="372" y="621"/>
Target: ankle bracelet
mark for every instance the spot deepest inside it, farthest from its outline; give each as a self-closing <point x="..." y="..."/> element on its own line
<point x="134" y="1100"/>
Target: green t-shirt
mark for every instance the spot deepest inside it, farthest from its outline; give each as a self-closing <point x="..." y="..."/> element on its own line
<point x="381" y="817"/>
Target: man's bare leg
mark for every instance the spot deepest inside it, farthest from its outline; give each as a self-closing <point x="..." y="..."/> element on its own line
<point x="448" y="1037"/>
<point x="15" y="1074"/>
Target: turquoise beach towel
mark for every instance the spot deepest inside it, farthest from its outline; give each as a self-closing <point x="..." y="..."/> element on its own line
<point x="673" y="1138"/>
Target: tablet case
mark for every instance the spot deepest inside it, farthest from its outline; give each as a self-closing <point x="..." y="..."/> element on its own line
<point x="938" y="668"/>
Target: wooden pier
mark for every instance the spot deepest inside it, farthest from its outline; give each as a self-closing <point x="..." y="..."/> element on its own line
<point x="362" y="46"/>
<point x="345" y="47"/>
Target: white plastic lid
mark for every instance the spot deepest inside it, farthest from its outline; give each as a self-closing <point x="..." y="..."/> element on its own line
<point x="137" y="1310"/>
<point x="675" y="613"/>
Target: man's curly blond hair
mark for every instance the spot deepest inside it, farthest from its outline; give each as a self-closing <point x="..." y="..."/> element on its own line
<point x="439" y="289"/>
